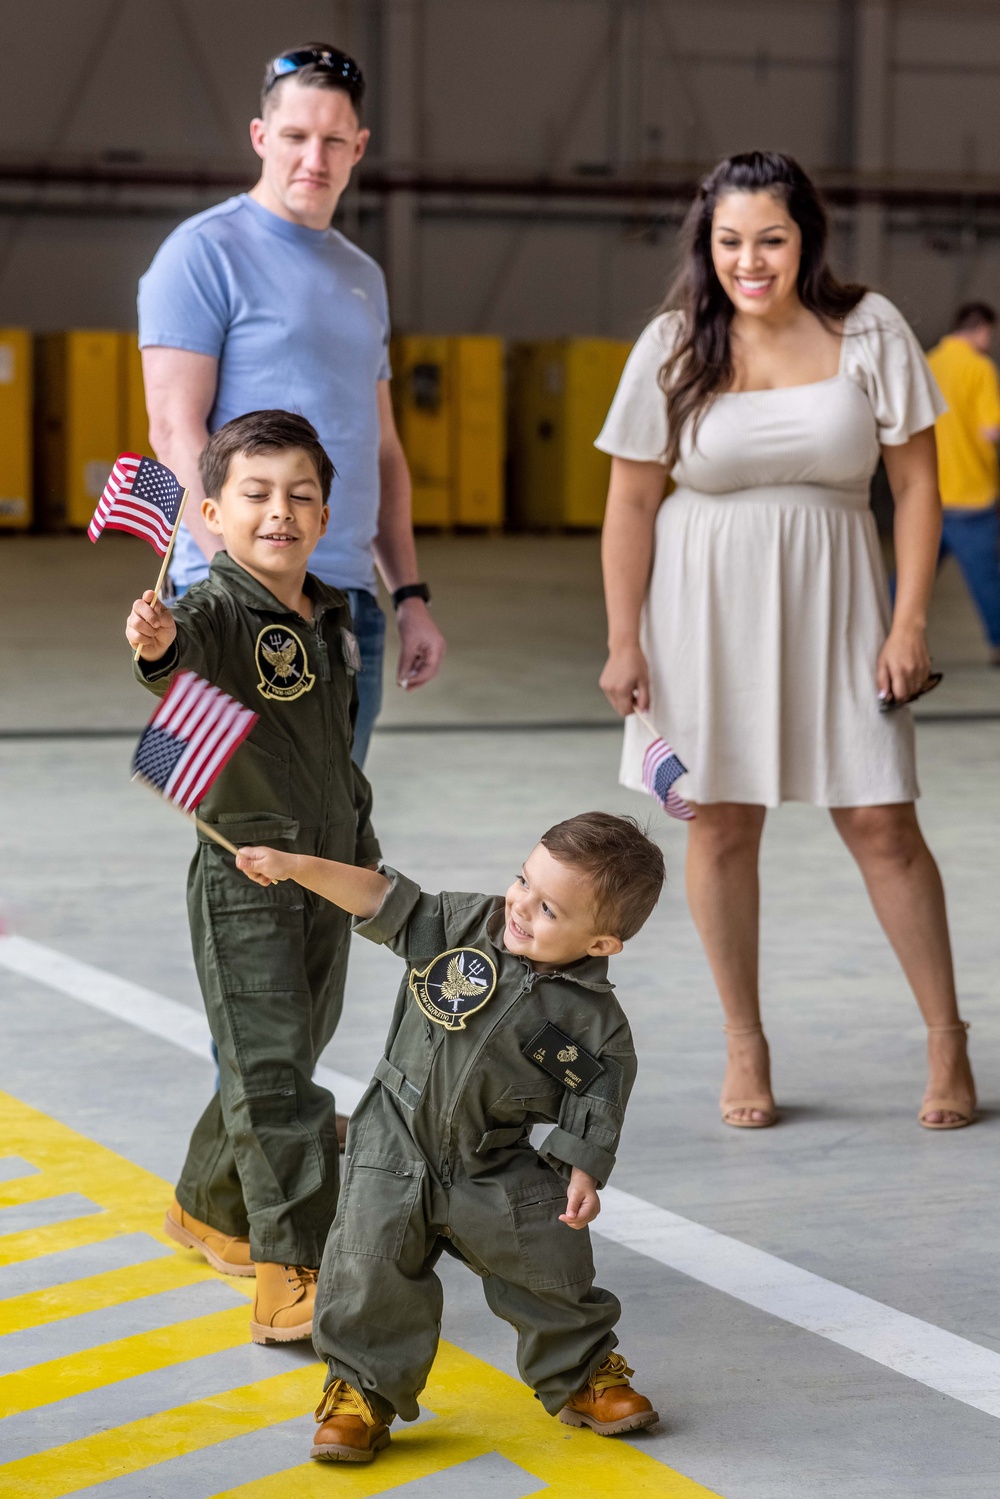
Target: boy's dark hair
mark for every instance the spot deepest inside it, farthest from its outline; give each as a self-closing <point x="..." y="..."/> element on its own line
<point x="624" y="867"/>
<point x="974" y="315"/>
<point x="262" y="432"/>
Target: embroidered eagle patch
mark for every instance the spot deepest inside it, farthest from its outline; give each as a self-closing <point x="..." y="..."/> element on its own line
<point x="457" y="984"/>
<point x="282" y="664"/>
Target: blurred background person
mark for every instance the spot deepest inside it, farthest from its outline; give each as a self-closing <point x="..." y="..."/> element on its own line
<point x="968" y="471"/>
<point x="748" y="613"/>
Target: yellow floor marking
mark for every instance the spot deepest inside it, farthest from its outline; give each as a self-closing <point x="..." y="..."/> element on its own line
<point x="95" y="1292"/>
<point x="478" y="1409"/>
<point x="28" y="1389"/>
<point x="135" y="1199"/>
<point x="132" y="1448"/>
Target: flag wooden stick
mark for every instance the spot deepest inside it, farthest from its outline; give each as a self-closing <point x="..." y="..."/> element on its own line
<point x="166" y="558"/>
<point x="644" y="721"/>
<point x="210" y="832"/>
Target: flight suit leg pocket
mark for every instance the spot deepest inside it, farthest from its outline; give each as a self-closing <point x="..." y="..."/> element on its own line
<point x="552" y="1254"/>
<point x="379" y="1205"/>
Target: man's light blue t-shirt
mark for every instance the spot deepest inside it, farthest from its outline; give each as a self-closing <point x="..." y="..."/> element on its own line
<point x="298" y="318"/>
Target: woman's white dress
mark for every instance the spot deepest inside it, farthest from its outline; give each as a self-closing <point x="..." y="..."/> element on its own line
<point x="768" y="603"/>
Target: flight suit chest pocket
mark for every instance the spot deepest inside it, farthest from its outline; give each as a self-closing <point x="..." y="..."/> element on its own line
<point x="378" y="1202"/>
<point x="552" y="1254"/>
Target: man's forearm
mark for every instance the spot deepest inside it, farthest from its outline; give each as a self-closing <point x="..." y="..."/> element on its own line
<point x="395" y="548"/>
<point x="180" y="451"/>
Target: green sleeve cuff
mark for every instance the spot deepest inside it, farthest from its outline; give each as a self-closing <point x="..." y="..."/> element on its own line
<point x="367" y="850"/>
<point x="394" y="912"/>
<point x="151" y="672"/>
<point x="561" y="1149"/>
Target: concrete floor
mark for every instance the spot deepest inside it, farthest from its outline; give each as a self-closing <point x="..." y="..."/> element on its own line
<point x="847" y="1187"/>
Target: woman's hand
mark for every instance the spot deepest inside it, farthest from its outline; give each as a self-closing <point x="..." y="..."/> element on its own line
<point x="904" y="662"/>
<point x="625" y="680"/>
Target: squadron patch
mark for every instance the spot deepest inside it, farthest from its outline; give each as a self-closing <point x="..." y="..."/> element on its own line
<point x="282" y="664"/>
<point x="454" y="986"/>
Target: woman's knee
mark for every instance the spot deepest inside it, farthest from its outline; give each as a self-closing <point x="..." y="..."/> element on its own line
<point x="888" y="835"/>
<point x="726" y="830"/>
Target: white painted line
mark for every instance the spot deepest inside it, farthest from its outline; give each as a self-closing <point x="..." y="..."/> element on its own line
<point x="935" y="1358"/>
<point x="148" y="1011"/>
<point x="941" y="1360"/>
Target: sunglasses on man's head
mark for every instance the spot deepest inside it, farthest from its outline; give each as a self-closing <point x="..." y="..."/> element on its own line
<point x="331" y="61"/>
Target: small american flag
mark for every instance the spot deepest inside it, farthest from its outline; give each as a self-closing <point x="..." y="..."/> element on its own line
<point x="189" y="739"/>
<point x="661" y="767"/>
<point x="141" y="497"/>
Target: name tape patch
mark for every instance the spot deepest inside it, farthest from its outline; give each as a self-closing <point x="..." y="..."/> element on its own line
<point x="563" y="1058"/>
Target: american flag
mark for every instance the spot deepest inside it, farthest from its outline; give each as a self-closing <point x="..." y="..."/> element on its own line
<point x="189" y="739"/>
<point x="141" y="497"/>
<point x="661" y="767"/>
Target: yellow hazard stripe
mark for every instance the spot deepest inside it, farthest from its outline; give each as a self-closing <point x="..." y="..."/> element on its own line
<point x="96" y="1292"/>
<point x="478" y="1409"/>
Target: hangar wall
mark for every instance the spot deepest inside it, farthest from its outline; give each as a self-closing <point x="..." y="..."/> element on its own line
<point x="530" y="158"/>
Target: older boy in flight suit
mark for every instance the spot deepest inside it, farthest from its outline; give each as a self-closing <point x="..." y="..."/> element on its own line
<point x="259" y="1187"/>
<point x="505" y="1019"/>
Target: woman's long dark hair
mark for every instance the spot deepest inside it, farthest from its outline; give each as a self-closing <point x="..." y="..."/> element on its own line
<point x="701" y="365"/>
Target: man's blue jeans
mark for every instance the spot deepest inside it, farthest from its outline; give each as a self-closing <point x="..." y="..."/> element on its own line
<point x="973" y="539"/>
<point x="369" y="627"/>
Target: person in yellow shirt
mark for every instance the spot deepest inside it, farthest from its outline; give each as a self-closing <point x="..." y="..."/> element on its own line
<point x="968" y="468"/>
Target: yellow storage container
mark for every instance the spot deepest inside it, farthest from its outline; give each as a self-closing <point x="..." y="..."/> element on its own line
<point x="476" y="381"/>
<point x="78" y="422"/>
<point x="15" y="428"/>
<point x="135" y="422"/>
<point x="420" y="389"/>
<point x="560" y="393"/>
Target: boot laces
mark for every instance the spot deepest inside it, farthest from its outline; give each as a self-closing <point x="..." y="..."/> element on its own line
<point x="341" y="1399"/>
<point x="614" y="1371"/>
<point x="301" y="1277"/>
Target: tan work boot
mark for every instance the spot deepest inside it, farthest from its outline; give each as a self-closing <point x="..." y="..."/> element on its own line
<point x="283" y="1305"/>
<point x="351" y="1431"/>
<point x="227" y="1253"/>
<point x="607" y="1403"/>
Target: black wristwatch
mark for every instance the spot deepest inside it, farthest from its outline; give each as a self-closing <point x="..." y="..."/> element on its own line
<point x="411" y="591"/>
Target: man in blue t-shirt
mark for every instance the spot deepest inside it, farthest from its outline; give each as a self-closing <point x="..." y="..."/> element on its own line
<point x="258" y="303"/>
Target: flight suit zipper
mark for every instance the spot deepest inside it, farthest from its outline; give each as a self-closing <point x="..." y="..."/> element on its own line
<point x="447" y="1158"/>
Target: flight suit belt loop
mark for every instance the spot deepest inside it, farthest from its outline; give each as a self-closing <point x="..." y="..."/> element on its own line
<point x="396" y="1082"/>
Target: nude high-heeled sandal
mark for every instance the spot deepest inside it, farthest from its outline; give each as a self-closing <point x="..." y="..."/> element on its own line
<point x="763" y="1105"/>
<point x="964" y="1107"/>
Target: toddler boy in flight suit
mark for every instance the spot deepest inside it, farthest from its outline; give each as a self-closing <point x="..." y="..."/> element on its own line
<point x="505" y="1019"/>
<point x="258" y="1190"/>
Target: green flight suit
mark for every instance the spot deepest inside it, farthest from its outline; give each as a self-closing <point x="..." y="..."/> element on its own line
<point x="439" y="1157"/>
<point x="271" y="962"/>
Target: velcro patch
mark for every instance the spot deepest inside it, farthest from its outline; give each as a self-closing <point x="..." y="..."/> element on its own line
<point x="563" y="1058"/>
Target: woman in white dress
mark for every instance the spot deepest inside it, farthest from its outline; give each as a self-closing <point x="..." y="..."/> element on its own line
<point x="748" y="613"/>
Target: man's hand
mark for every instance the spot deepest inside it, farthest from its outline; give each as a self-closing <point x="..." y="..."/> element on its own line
<point x="422" y="646"/>
<point x="266" y="866"/>
<point x="150" y="628"/>
<point x="582" y="1201"/>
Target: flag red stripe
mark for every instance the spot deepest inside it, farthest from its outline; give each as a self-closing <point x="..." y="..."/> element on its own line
<point x="242" y="721"/>
<point x="212" y="727"/>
